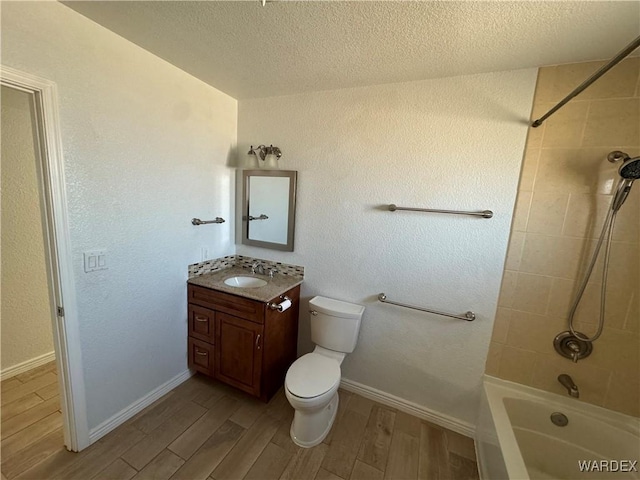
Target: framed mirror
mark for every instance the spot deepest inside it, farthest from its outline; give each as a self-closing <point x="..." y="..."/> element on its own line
<point x="268" y="208"/>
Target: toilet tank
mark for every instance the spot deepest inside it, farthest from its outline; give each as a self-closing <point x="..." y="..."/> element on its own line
<point x="335" y="324"/>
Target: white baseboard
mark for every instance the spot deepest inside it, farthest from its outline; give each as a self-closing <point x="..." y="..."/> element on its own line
<point x="125" y="414"/>
<point x="28" y="365"/>
<point x="411" y="408"/>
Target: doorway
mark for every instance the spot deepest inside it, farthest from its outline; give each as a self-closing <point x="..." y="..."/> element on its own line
<point x="38" y="292"/>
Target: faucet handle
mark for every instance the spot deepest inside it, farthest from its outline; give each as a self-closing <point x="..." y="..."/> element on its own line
<point x="272" y="272"/>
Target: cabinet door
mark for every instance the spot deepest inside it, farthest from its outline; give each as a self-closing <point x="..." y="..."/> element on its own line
<point x="202" y="324"/>
<point x="239" y="352"/>
<point x="201" y="356"/>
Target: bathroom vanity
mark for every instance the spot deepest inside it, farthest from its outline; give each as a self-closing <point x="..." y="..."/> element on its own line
<point x="237" y="335"/>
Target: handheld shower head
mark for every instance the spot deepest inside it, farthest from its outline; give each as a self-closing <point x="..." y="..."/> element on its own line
<point x="630" y="169"/>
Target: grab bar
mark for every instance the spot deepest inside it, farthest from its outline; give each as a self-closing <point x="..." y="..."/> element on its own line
<point x="469" y="316"/>
<point x="483" y="214"/>
<point x="197" y="221"/>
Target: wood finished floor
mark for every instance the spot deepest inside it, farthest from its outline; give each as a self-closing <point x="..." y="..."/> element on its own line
<point x="206" y="430"/>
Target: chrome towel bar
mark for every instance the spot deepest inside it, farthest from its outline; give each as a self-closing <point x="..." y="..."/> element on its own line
<point x="469" y="316"/>
<point x="483" y="214"/>
<point x="197" y="221"/>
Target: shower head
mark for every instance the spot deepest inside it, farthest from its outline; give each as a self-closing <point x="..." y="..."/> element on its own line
<point x="629" y="172"/>
<point x="630" y="169"/>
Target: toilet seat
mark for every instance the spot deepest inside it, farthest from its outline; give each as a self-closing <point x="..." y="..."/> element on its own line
<point x="312" y="375"/>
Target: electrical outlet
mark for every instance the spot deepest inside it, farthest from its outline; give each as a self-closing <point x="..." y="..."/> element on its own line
<point x="205" y="253"/>
<point x="95" y="260"/>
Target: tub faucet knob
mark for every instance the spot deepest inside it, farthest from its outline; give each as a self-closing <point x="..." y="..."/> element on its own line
<point x="567" y="382"/>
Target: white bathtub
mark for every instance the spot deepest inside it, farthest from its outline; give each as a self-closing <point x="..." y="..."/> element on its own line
<point x="516" y="440"/>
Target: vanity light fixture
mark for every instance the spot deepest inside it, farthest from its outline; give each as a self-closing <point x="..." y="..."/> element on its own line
<point x="269" y="155"/>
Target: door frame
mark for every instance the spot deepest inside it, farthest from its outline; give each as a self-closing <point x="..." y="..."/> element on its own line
<point x="64" y="312"/>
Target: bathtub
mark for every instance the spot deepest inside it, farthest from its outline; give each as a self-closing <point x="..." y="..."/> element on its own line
<point x="515" y="438"/>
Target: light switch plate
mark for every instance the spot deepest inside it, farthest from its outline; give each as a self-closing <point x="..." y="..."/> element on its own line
<point x="95" y="260"/>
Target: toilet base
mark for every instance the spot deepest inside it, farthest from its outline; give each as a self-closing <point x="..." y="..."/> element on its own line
<point x="309" y="429"/>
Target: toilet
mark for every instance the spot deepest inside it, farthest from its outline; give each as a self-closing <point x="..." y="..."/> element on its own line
<point x="312" y="382"/>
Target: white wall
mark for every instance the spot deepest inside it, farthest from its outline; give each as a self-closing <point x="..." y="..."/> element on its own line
<point x="146" y="147"/>
<point x="26" y="310"/>
<point x="452" y="143"/>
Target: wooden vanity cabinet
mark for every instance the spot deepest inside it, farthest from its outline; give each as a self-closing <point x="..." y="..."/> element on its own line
<point x="242" y="342"/>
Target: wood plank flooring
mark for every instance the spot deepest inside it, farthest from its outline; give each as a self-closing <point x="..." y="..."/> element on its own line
<point x="204" y="430"/>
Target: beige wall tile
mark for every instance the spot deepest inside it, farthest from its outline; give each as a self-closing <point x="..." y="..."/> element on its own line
<point x="565" y="127"/>
<point x="546" y="85"/>
<point x="521" y="212"/>
<point x="535" y="135"/>
<point x="632" y="320"/>
<point x="568" y="77"/>
<point x="552" y="256"/>
<point x="547" y="212"/>
<point x="529" y="169"/>
<point x="533" y="332"/>
<point x="562" y="292"/>
<point x="620" y="81"/>
<point x="592" y="381"/>
<point x="575" y="170"/>
<point x="612" y="122"/>
<point x="517" y="365"/>
<point x="514" y="253"/>
<point x="627" y="227"/>
<point x="561" y="298"/>
<point x="501" y="325"/>
<point x="588" y="310"/>
<point x="509" y="281"/>
<point x="617" y="350"/>
<point x="532" y="293"/>
<point x="624" y="264"/>
<point x="492" y="366"/>
<point x="621" y="306"/>
<point x="585" y="215"/>
<point x="624" y="394"/>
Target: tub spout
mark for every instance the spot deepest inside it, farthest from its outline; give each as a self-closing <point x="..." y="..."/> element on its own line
<point x="567" y="382"/>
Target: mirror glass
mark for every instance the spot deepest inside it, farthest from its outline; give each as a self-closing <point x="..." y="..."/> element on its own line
<point x="268" y="211"/>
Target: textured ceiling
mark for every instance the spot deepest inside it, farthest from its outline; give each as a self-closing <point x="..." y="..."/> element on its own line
<point x="249" y="51"/>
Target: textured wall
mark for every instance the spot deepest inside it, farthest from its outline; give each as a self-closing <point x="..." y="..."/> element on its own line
<point x="452" y="143"/>
<point x="26" y="311"/>
<point x="564" y="193"/>
<point x="146" y="147"/>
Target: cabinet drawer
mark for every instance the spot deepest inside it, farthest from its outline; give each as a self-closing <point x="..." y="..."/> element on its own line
<point x="201" y="356"/>
<point x="223" y="302"/>
<point x="202" y="323"/>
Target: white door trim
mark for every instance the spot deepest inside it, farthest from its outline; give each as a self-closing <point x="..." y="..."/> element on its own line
<point x="65" y="328"/>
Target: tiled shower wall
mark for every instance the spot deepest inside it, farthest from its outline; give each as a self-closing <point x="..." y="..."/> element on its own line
<point x="566" y="186"/>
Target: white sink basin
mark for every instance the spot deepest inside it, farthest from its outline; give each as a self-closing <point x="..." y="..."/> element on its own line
<point x="245" y="282"/>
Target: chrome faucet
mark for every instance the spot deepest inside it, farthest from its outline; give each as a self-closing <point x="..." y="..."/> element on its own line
<point x="567" y="382"/>
<point x="257" y="268"/>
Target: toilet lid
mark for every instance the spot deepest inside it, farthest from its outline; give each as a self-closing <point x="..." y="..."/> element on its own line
<point x="312" y="375"/>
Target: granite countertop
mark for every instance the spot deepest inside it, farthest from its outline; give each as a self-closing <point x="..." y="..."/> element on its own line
<point x="275" y="286"/>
